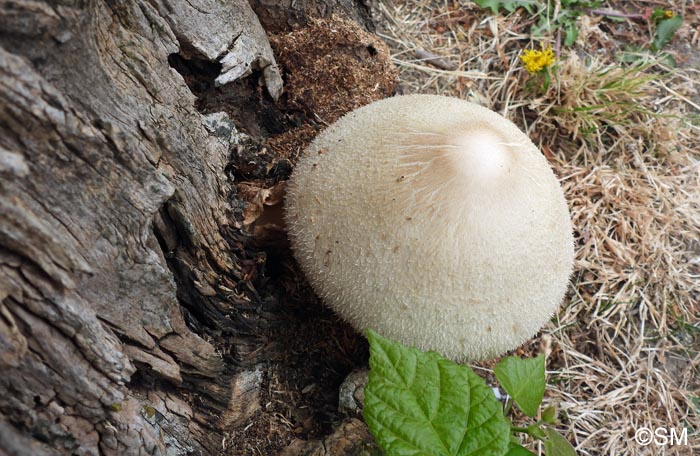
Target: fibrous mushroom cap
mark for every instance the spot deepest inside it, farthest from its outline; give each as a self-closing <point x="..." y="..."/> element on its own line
<point x="434" y="221"/>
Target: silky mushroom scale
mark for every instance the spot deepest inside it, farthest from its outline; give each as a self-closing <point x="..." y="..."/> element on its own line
<point x="433" y="221"/>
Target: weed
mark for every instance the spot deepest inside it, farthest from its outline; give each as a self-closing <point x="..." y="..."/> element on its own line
<point x="561" y="17"/>
<point x="538" y="64"/>
<point x="421" y="403"/>
<point x="553" y="16"/>
<point x="601" y="104"/>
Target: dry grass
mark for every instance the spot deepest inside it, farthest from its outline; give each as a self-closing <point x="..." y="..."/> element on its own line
<point x="624" y="141"/>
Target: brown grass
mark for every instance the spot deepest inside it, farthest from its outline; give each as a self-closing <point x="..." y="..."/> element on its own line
<point x="623" y="138"/>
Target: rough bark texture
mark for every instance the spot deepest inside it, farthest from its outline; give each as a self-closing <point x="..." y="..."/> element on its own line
<point x="128" y="322"/>
<point x="99" y="138"/>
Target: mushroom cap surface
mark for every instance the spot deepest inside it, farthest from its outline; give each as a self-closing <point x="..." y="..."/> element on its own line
<point x="435" y="222"/>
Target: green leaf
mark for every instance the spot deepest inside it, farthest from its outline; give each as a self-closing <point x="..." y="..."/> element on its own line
<point x="508" y="5"/>
<point x="547" y="79"/>
<point x="524" y="380"/>
<point x="549" y="415"/>
<point x="422" y="404"/>
<point x="518" y="450"/>
<point x="580" y="4"/>
<point x="668" y="60"/>
<point x="571" y="34"/>
<point x="658" y="14"/>
<point x="557" y="445"/>
<point x="665" y="31"/>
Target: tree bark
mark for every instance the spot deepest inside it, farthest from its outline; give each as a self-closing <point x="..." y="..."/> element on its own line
<point x="121" y="249"/>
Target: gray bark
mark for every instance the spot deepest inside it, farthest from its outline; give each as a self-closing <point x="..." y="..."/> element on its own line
<point x="122" y="255"/>
<point x="103" y="155"/>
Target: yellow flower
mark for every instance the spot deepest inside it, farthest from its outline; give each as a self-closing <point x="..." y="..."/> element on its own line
<point x="537" y="60"/>
<point x="669" y="14"/>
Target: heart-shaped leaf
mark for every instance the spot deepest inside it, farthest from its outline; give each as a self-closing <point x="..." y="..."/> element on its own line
<point x="422" y="404"/>
<point x="524" y="380"/>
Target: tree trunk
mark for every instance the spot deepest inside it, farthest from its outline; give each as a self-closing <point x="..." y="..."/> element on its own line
<point x="137" y="315"/>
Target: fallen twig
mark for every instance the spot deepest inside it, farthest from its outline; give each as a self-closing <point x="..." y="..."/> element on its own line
<point x="435" y="60"/>
<point x="611" y="13"/>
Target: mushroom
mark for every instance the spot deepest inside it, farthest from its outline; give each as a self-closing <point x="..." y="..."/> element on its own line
<point x="435" y="222"/>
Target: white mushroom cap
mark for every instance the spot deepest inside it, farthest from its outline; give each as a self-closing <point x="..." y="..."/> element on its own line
<point x="434" y="221"/>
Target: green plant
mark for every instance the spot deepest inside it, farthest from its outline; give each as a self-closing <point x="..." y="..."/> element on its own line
<point x="562" y="18"/>
<point x="666" y="25"/>
<point x="538" y="64"/>
<point x="508" y="5"/>
<point x="600" y="103"/>
<point x="422" y="404"/>
<point x="552" y="18"/>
